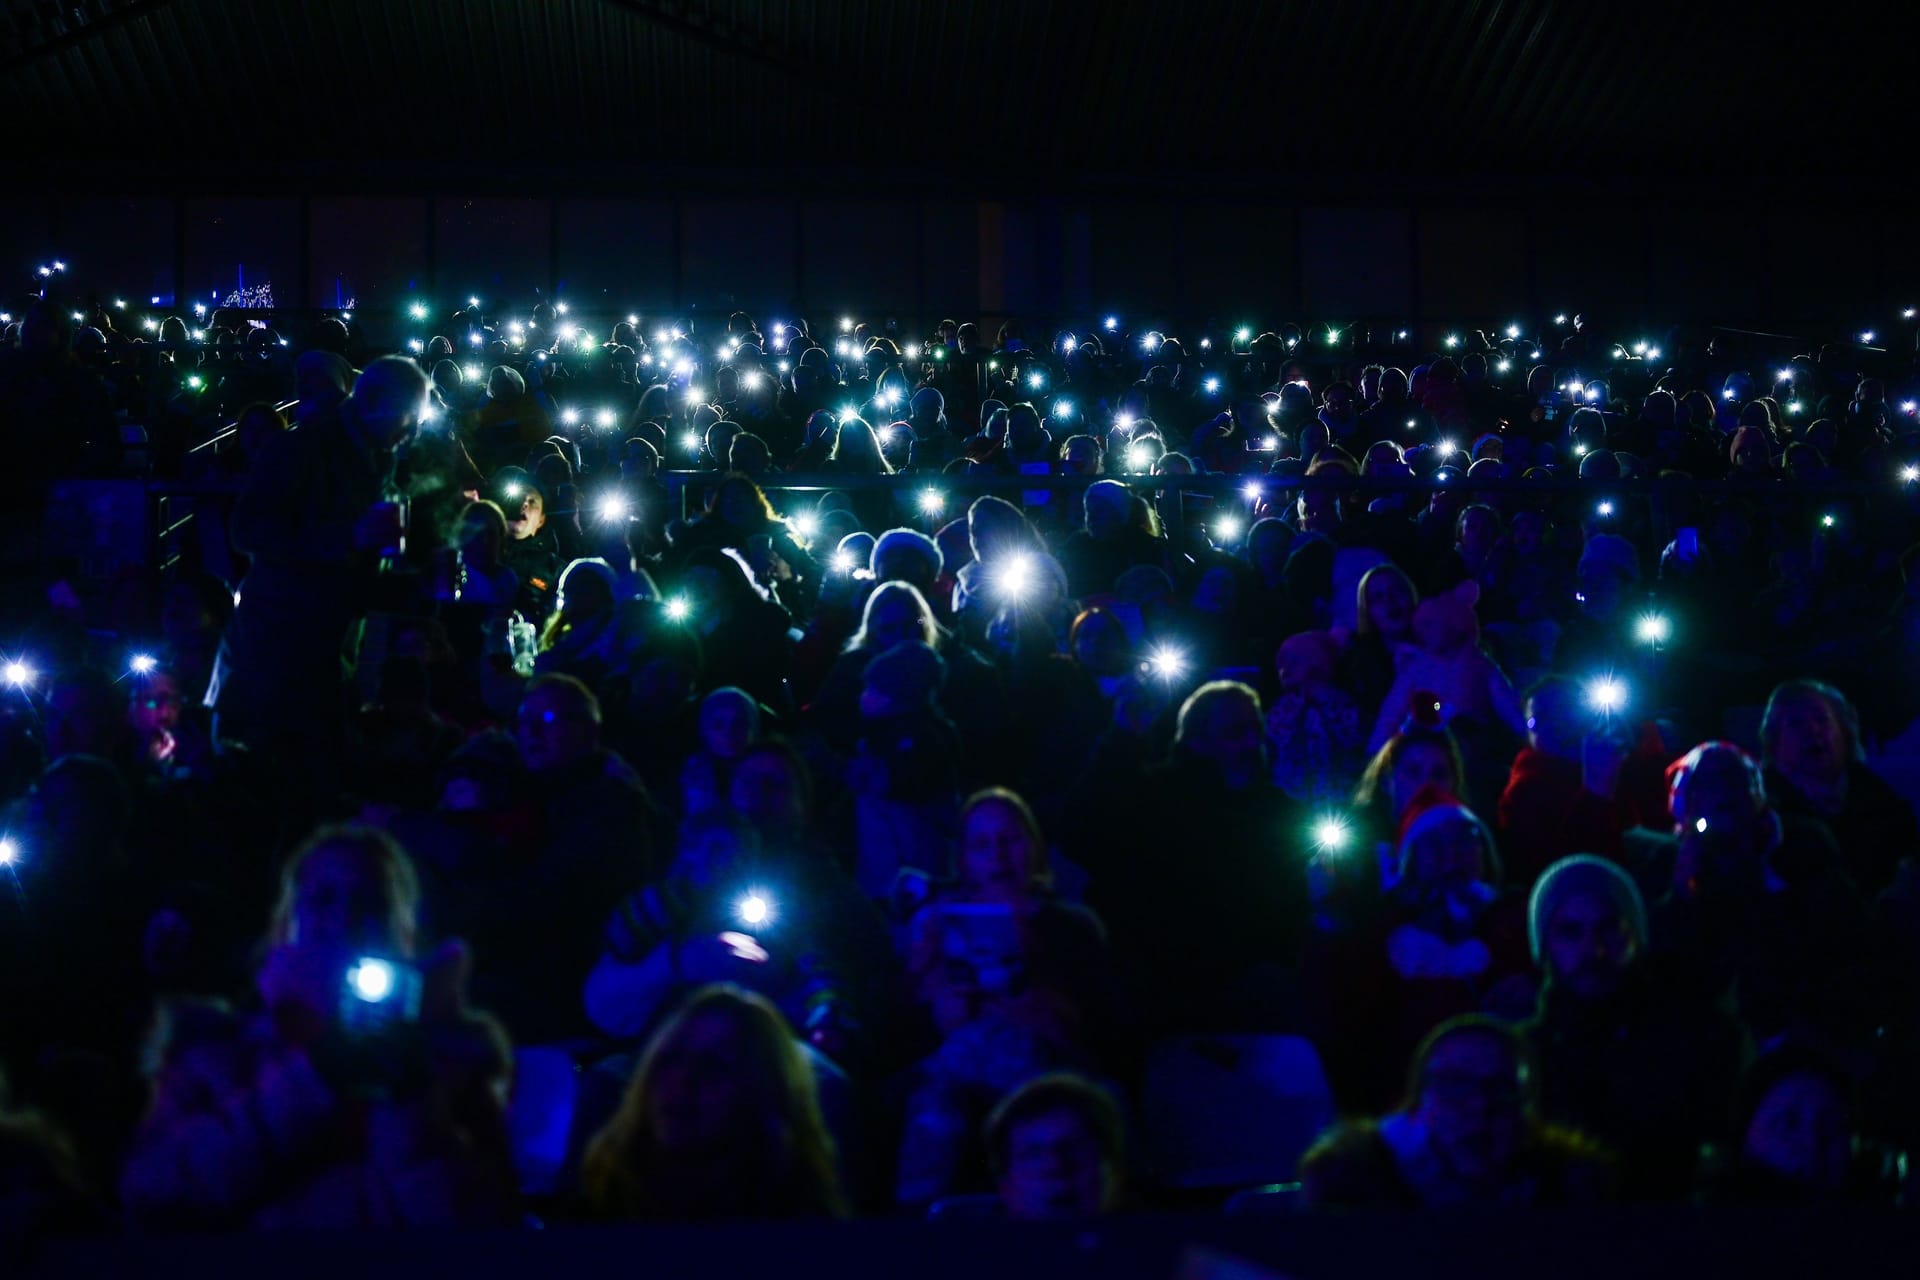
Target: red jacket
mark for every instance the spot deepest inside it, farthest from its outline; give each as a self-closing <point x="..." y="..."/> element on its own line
<point x="1546" y="814"/>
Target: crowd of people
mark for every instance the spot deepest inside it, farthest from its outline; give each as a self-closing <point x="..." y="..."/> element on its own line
<point x="733" y="709"/>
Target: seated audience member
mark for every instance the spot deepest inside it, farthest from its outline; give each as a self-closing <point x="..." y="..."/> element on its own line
<point x="323" y="1109"/>
<point x="1622" y="1057"/>
<point x="721" y="1123"/>
<point x="1058" y="1150"/>
<point x="1468" y="1133"/>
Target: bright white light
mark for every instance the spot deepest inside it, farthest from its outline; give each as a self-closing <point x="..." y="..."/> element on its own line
<point x="1866" y="335"/>
<point x="59" y="266"/>
<point x="613" y="507"/>
<point x="561" y="307"/>
<point x="913" y="351"/>
<point x="1113" y="322"/>
<point x="890" y="397"/>
<point x="199" y="308"/>
<point x="1727" y="394"/>
<point x="1700" y="825"/>
<point x="1453" y="340"/>
<point x="1138" y="456"/>
<point x="143" y="664"/>
<point x="1606" y="694"/>
<point x="1653" y="353"/>
<point x="1330" y="834"/>
<point x="678" y="609"/>
<point x="605" y="418"/>
<point x="9" y="852"/>
<point x="1827" y="521"/>
<point x="1243" y="334"/>
<point x="1639" y="348"/>
<point x="1402" y="335"/>
<point x="587" y="345"/>
<point x="512" y="490"/>
<point x="843" y="562"/>
<point x="1123" y="420"/>
<point x="695" y="395"/>
<point x="1786" y="375"/>
<point x="806" y="524"/>
<point x="782" y="365"/>
<point x="1561" y="318"/>
<point x="78" y="316"/>
<point x="847" y="414"/>
<point x="661" y="337"/>
<point x="16" y="673"/>
<point x="1793" y="406"/>
<point x="754" y="909"/>
<point x="1069" y="343"/>
<point x="1062" y="409"/>
<point x="846" y="324"/>
<point x="1513" y="331"/>
<point x="1502" y="366"/>
<point x="1574" y="388"/>
<point x="1654" y="629"/>
<point x="1605" y="508"/>
<point x="932" y="501"/>
<point x="149" y="324"/>
<point x="1446" y="447"/>
<point x="1582" y="450"/>
<point x="416" y="346"/>
<point x="1593" y="393"/>
<point x="1251" y="491"/>
<point x="569" y="416"/>
<point x="195" y="381"/>
<point x="1910" y="474"/>
<point x="567" y="331"/>
<point x="884" y="435"/>
<point x="1016" y="575"/>
<point x="1227" y="528"/>
<point x="1167" y="661"/>
<point x="372" y="980"/>
<point x="1206" y="344"/>
<point x="682" y="367"/>
<point x="1212" y="385"/>
<point x="1907" y="314"/>
<point x="692" y="441"/>
<point x="1036" y="380"/>
<point x="751" y="379"/>
<point x="475" y="373"/>
<point x="347" y="316"/>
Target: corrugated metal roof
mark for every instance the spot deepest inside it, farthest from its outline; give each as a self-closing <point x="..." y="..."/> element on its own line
<point x="1012" y="95"/>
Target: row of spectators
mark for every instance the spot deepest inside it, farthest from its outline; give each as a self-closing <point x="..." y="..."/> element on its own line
<point x="1537" y="748"/>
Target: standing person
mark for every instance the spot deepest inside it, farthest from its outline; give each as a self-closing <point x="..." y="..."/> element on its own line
<point x="313" y="520"/>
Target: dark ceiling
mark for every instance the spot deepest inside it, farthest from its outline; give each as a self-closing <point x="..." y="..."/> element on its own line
<point x="1014" y="96"/>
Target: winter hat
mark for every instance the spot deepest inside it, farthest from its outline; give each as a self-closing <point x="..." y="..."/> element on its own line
<point x="1431" y="806"/>
<point x="907" y="675"/>
<point x="1584" y="873"/>
<point x="1610" y="551"/>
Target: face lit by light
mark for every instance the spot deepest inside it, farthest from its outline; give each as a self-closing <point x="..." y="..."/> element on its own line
<point x="932" y="501"/>
<point x="1653" y="629"/>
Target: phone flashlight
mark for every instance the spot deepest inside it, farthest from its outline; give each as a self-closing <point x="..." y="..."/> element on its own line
<point x="913" y="351"/>
<point x="416" y="346"/>
<point x="1212" y="386"/>
<point x="1243" y="334"/>
<point x="692" y="441"/>
<point x="9" y="851"/>
<point x="846" y="324"/>
<point x="1446" y="447"/>
<point x="1654" y="629"/>
<point x="1167" y="662"/>
<point x="606" y="418"/>
<point x="1700" y="825"/>
<point x="561" y="307"/>
<point x="678" y="609"/>
<point x="143" y="664"/>
<point x="1036" y="381"/>
<point x="1866" y="335"/>
<point x="842" y="562"/>
<point x="1062" y="409"/>
<point x="1793" y="406"/>
<point x="613" y="507"/>
<point x="512" y="491"/>
<point x="1606" y="694"/>
<point x="195" y="381"/>
<point x="1605" y="509"/>
<point x="1910" y="474"/>
<point x="1138" y="456"/>
<point x="569" y="416"/>
<point x="1560" y="319"/>
<point x="1227" y="528"/>
<point x="379" y="994"/>
<point x="1330" y="834"/>
<point x="1513" y="331"/>
<point x="754" y="909"/>
<point x="475" y="373"/>
<point x="932" y="501"/>
<point x="1502" y="366"/>
<point x="1252" y="491"/>
<point x="695" y="396"/>
<point x="806" y="524"/>
<point x="1827" y="521"/>
<point x="1113" y="322"/>
<point x="1453" y="340"/>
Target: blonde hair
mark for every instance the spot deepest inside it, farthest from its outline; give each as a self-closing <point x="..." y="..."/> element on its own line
<point x="625" y="1170"/>
<point x="379" y="857"/>
<point x="929" y="628"/>
<point x="1039" y="868"/>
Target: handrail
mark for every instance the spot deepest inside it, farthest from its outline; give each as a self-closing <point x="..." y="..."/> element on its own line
<point x="232" y="428"/>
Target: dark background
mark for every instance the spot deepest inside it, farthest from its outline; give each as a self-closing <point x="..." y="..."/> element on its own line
<point x="1704" y="162"/>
